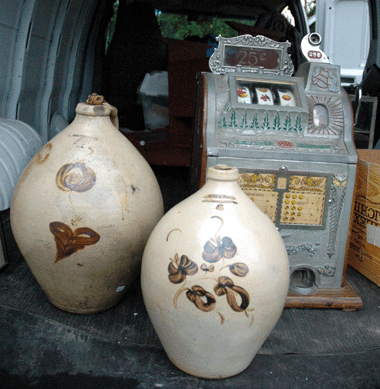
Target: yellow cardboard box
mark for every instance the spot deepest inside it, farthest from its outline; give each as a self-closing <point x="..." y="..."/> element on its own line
<point x="364" y="240"/>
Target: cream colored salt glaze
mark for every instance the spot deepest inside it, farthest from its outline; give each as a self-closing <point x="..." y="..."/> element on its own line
<point x="215" y="276"/>
<point x="82" y="212"/>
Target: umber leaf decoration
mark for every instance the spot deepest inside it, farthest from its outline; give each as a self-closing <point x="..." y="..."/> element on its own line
<point x="179" y="268"/>
<point x="202" y="299"/>
<point x="239" y="269"/>
<point x="206" y="268"/>
<point x="68" y="241"/>
<point x="75" y="176"/>
<point x="224" y="247"/>
<point x="226" y="286"/>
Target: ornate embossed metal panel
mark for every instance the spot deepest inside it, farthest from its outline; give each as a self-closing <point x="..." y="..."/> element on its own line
<point x="291" y="138"/>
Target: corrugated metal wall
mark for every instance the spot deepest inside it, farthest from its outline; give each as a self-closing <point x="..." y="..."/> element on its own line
<point x="47" y="60"/>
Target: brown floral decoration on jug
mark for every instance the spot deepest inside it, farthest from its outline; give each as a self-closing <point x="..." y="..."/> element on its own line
<point x="75" y="176"/>
<point x="179" y="268"/>
<point x="206" y="268"/>
<point x="202" y="299"/>
<point x="68" y="241"/>
<point x="239" y="269"/>
<point x="214" y="250"/>
<point x="226" y="286"/>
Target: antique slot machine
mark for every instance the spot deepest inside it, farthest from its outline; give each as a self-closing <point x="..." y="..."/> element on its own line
<point x="292" y="139"/>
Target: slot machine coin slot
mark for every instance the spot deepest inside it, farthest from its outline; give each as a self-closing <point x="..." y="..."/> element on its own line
<point x="303" y="281"/>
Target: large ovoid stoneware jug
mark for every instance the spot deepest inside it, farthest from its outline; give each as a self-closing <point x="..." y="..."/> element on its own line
<point x="215" y="276"/>
<point x="83" y="210"/>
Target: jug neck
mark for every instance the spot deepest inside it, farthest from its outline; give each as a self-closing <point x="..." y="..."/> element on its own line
<point x="96" y="106"/>
<point x="222" y="177"/>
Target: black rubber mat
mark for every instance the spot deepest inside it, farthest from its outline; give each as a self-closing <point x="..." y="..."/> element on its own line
<point x="299" y="331"/>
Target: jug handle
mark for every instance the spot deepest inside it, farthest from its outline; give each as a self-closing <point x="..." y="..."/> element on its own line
<point x="114" y="116"/>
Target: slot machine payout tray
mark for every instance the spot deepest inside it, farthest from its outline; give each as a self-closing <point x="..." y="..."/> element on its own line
<point x="291" y="138"/>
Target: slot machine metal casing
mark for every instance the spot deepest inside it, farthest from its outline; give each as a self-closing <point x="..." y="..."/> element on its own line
<point x="297" y="162"/>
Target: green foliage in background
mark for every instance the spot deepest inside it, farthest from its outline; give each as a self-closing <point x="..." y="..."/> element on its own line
<point x="178" y="27"/>
<point x="310" y="7"/>
<point x="112" y="24"/>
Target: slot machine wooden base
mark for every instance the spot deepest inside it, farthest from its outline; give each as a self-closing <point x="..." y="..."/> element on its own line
<point x="343" y="298"/>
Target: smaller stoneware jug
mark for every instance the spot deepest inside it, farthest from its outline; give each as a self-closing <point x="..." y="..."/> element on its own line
<point x="83" y="210"/>
<point x="215" y="276"/>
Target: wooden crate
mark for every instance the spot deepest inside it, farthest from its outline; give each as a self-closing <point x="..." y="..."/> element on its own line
<point x="364" y="239"/>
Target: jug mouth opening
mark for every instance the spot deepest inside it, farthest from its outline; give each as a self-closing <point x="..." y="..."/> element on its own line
<point x="223" y="172"/>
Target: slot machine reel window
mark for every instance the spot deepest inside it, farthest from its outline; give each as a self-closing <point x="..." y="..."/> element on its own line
<point x="265" y="93"/>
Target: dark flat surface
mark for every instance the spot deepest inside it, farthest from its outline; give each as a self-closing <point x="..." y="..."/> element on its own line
<point x="43" y="347"/>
